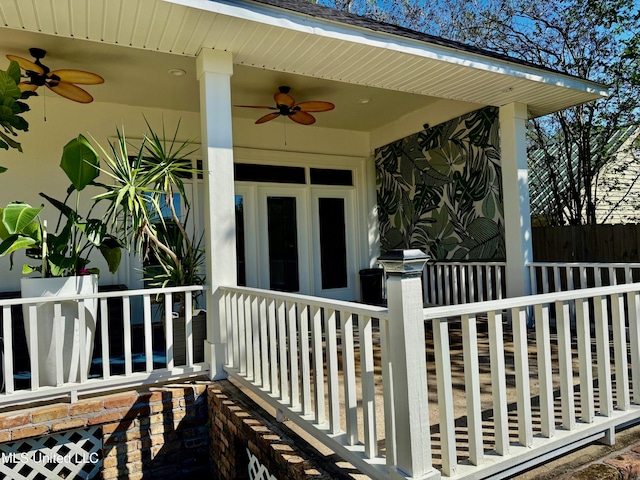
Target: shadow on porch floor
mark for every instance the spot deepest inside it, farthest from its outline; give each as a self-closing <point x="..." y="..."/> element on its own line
<point x="550" y="470"/>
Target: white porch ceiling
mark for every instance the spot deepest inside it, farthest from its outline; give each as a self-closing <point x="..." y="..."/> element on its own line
<point x="132" y="44"/>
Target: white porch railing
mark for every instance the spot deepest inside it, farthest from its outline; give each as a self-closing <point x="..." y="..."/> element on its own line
<point x="136" y="323"/>
<point x="567" y="382"/>
<point x="558" y="276"/>
<point x="502" y="397"/>
<point x="455" y="283"/>
<point x="300" y="353"/>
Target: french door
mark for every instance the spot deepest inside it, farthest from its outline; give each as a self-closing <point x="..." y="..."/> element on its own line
<point x="333" y="243"/>
<point x="296" y="239"/>
<point x="283" y="246"/>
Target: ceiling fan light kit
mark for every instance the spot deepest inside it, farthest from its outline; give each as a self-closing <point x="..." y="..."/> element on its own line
<point x="286" y="106"/>
<point x="63" y="81"/>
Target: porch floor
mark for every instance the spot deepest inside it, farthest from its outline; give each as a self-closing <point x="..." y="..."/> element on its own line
<point x="550" y="470"/>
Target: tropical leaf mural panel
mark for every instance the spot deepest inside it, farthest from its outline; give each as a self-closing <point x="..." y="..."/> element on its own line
<point x="440" y="190"/>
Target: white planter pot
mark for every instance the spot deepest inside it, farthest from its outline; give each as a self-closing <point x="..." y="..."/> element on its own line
<point x="63" y="286"/>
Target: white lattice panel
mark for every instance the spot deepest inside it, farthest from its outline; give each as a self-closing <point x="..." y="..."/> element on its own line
<point x="76" y="454"/>
<point x="257" y="471"/>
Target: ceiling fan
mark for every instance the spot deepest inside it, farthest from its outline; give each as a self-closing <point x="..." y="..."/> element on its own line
<point x="287" y="106"/>
<point x="59" y="81"/>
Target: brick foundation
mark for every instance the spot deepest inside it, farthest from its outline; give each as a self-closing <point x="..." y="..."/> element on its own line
<point x="237" y="424"/>
<point x="178" y="432"/>
<point x="160" y="433"/>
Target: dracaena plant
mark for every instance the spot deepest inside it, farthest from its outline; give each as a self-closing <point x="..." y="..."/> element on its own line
<point x="65" y="250"/>
<point x="140" y="205"/>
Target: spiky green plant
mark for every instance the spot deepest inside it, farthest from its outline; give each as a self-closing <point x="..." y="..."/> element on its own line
<point x="142" y="186"/>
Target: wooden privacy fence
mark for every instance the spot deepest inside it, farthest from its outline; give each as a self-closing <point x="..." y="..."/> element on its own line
<point x="587" y="243"/>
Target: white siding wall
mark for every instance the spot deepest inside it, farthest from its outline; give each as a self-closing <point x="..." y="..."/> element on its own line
<point x="619" y="186"/>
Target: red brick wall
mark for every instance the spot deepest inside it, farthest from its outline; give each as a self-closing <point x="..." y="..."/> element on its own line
<point x="159" y="433"/>
<point x="173" y="432"/>
<point x="237" y="425"/>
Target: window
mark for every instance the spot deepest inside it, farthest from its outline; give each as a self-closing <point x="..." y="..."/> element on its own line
<point x="327" y="176"/>
<point x="249" y="172"/>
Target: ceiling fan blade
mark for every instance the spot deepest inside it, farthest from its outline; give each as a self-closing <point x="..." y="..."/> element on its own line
<point x="302" y="118"/>
<point x="27" y="87"/>
<point x="256" y="106"/>
<point x="26" y="64"/>
<point x="267" y="117"/>
<point x="77" y="76"/>
<point x="71" y="92"/>
<point x="284" y="99"/>
<point x="316" y="106"/>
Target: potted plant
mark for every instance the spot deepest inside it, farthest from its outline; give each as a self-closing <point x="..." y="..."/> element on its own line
<point x="62" y="261"/>
<point x="142" y="206"/>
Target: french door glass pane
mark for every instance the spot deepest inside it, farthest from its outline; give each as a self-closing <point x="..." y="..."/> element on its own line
<point x="283" y="244"/>
<point x="333" y="243"/>
<point x="241" y="262"/>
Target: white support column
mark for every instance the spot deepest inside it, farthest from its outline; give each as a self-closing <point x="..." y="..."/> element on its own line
<point x="214" y="74"/>
<point x="409" y="378"/>
<point x="517" y="217"/>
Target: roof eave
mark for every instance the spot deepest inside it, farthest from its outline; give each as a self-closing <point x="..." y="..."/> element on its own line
<point x="303" y="23"/>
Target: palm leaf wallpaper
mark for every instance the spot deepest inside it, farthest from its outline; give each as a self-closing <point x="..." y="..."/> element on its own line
<point x="440" y="190"/>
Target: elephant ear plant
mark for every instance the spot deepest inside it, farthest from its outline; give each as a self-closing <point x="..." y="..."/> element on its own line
<point x="65" y="251"/>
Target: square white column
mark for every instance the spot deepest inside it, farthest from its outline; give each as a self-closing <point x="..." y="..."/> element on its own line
<point x="517" y="216"/>
<point x="214" y="70"/>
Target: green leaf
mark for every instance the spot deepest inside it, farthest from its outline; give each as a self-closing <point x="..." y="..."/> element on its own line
<point x="489" y="207"/>
<point x="9" y="142"/>
<point x="112" y="254"/>
<point x="483" y="229"/>
<point x="18" y="216"/>
<point x="14" y="72"/>
<point x="94" y="229"/>
<point x="8" y="87"/>
<point x="27" y="269"/>
<point x="66" y="210"/>
<point x="80" y="162"/>
<point x="15" y="242"/>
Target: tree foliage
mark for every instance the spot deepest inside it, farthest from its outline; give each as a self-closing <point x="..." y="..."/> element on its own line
<point x="598" y="40"/>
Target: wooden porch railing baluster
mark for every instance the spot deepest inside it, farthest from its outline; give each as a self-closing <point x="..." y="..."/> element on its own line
<point x="603" y="358"/>
<point x="623" y="399"/>
<point x="305" y="365"/>
<point x="472" y="387"/>
<point x="445" y="395"/>
<point x="318" y="365"/>
<point x="294" y="355"/>
<point x="633" y="305"/>
<point x="7" y="349"/>
<point x="365" y="332"/>
<point x="565" y="367"/>
<point x="543" y="348"/>
<point x="498" y="382"/>
<point x="523" y="386"/>
<point x="349" y="373"/>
